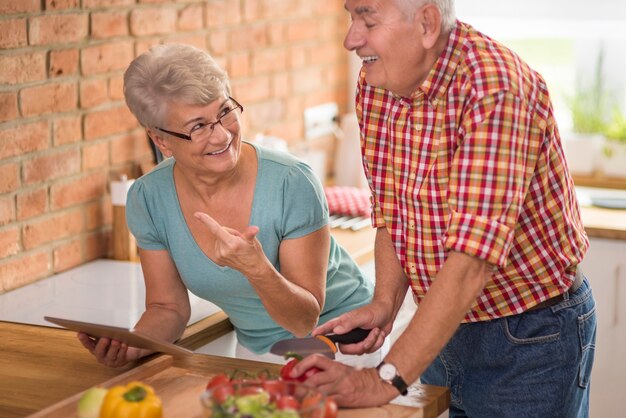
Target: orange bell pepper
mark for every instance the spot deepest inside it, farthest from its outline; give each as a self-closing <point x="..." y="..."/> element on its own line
<point x="134" y="400"/>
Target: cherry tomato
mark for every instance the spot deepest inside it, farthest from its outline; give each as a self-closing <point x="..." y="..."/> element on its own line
<point x="287" y="402"/>
<point x="285" y="371"/>
<point x="330" y="409"/>
<point x="217" y="380"/>
<point x="275" y="388"/>
<point x="221" y="392"/>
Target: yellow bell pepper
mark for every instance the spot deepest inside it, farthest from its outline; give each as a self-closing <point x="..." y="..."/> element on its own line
<point x="134" y="400"/>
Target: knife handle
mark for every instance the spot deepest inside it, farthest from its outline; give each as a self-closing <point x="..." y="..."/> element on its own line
<point x="355" y="336"/>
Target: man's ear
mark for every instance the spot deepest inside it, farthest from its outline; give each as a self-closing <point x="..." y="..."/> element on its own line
<point x="159" y="142"/>
<point x="429" y="23"/>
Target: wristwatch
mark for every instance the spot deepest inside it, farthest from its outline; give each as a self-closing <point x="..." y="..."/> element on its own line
<point x="389" y="374"/>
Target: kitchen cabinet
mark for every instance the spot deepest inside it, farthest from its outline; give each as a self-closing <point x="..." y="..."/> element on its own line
<point x="605" y="267"/>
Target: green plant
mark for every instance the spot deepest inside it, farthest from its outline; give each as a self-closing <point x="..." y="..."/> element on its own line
<point x="589" y="104"/>
<point x="615" y="131"/>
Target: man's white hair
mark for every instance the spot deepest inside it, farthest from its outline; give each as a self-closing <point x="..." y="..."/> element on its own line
<point x="446" y="7"/>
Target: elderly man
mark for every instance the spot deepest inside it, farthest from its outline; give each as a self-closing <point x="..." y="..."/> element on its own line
<point x="476" y="212"/>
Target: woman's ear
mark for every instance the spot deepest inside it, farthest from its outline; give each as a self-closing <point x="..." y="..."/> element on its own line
<point x="159" y="142"/>
<point x="429" y="22"/>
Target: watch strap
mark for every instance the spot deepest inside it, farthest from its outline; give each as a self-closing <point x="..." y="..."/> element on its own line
<point x="396" y="381"/>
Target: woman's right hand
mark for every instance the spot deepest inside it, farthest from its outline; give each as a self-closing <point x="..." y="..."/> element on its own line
<point x="111" y="353"/>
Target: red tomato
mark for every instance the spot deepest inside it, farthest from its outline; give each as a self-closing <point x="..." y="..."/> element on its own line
<point x="217" y="380"/>
<point x="285" y="371"/>
<point x="249" y="390"/>
<point x="275" y="388"/>
<point x="288" y="402"/>
<point x="330" y="410"/>
<point x="221" y="392"/>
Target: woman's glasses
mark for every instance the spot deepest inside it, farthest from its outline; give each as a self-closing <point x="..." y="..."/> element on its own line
<point x="228" y="116"/>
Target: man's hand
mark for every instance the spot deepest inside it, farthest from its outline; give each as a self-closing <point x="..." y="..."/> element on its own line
<point x="348" y="386"/>
<point x="373" y="317"/>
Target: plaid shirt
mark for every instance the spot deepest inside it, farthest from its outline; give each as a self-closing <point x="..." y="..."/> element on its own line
<point x="472" y="162"/>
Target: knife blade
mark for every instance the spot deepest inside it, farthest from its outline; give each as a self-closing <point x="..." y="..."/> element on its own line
<point x="322" y="344"/>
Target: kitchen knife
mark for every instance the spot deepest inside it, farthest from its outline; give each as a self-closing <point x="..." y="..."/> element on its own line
<point x="322" y="344"/>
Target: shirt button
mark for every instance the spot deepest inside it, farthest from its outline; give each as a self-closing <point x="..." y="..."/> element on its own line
<point x="412" y="175"/>
<point x="418" y="128"/>
<point x="411" y="225"/>
<point x="413" y="270"/>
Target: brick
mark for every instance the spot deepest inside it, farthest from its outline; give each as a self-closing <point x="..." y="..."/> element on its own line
<point x="51" y="166"/>
<point x="116" y="87"/>
<point x="7" y="209"/>
<point x="56" y="226"/>
<point x="48" y="98"/>
<point x="93" y="92"/>
<point x="307" y="80"/>
<point x="9" y="242"/>
<point x="298" y="57"/>
<point x="153" y="21"/>
<point x="108" y="122"/>
<point x="220" y="13"/>
<point x="63" y="62"/>
<point x="191" y="17"/>
<point x="61" y="4"/>
<point x="97" y="245"/>
<point x="95" y="155"/>
<point x="108" y="24"/>
<point x="269" y="60"/>
<point x="105" y="58"/>
<point x="252" y="89"/>
<point x="8" y="106"/>
<point x="32" y="203"/>
<point x="22" y="67"/>
<point x="188" y="38"/>
<point x="98" y="4"/>
<point x="98" y="214"/>
<point x="67" y="255"/>
<point x="303" y="30"/>
<point x="66" y="130"/>
<point x="262" y="113"/>
<point x="17" y="272"/>
<point x="239" y="65"/>
<point x="23" y="139"/>
<point x="248" y="37"/>
<point x="280" y="85"/>
<point x="10" y="175"/>
<point x="218" y="42"/>
<point x="252" y="10"/>
<point x="83" y="189"/>
<point x="58" y="28"/>
<point x="13" y="33"/>
<point x="276" y="33"/>
<point x="129" y="148"/>
<point x="19" y="6"/>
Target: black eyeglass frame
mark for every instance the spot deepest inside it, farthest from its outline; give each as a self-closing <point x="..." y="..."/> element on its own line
<point x="211" y="125"/>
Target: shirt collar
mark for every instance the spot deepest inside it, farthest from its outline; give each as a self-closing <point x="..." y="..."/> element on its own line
<point x="442" y="73"/>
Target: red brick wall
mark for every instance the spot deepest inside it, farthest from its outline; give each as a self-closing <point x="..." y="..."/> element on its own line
<point x="65" y="131"/>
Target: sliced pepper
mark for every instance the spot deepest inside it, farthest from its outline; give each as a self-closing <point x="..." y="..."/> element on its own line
<point x="134" y="400"/>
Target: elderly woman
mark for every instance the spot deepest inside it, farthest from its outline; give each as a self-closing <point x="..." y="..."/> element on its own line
<point x="236" y="224"/>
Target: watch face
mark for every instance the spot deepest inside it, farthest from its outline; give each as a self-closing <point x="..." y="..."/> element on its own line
<point x="387" y="371"/>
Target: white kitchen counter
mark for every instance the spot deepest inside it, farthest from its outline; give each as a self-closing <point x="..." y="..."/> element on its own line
<point x="102" y="291"/>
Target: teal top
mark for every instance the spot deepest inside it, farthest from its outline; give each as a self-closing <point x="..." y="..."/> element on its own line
<point x="288" y="203"/>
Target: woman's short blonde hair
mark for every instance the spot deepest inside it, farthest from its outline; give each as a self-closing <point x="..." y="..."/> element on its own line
<point x="172" y="72"/>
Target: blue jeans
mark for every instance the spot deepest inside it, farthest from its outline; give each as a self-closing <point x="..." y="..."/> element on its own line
<point x="535" y="364"/>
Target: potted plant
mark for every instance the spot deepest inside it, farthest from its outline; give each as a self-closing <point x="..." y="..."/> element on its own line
<point x="588" y="107"/>
<point x="614" y="149"/>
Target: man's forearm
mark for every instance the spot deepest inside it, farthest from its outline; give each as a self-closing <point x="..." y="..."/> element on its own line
<point x="449" y="298"/>
<point x="391" y="282"/>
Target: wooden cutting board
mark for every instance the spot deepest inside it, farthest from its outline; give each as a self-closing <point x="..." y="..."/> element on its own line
<point x="179" y="382"/>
